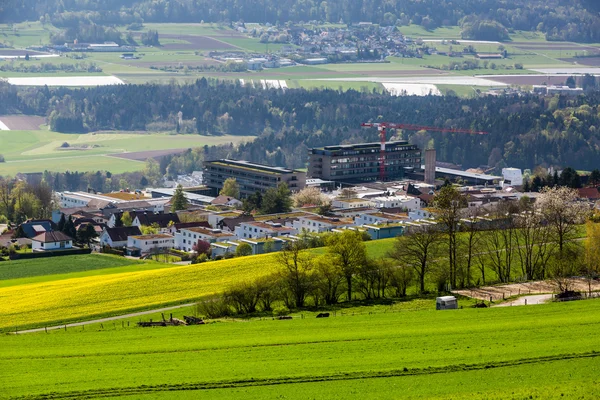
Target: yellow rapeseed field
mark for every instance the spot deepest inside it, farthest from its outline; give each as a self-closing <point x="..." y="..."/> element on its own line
<point x="79" y="298"/>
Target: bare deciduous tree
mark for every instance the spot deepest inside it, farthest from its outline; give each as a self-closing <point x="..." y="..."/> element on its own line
<point x="401" y="278"/>
<point x="296" y="272"/>
<point x="449" y="203"/>
<point x="329" y="282"/>
<point x="418" y="250"/>
<point x="533" y="243"/>
<point x="562" y="212"/>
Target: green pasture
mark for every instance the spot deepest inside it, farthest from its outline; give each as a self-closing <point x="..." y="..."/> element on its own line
<point x="417" y="31"/>
<point x="506" y="352"/>
<point x="170" y="284"/>
<point x="544" y="381"/>
<point x="79" y="163"/>
<point x="36" y="151"/>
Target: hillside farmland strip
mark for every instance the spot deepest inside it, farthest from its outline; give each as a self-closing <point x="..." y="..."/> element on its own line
<point x="144" y="155"/>
<point x="195" y="43"/>
<point x="310" y="379"/>
<point x="22" y="122"/>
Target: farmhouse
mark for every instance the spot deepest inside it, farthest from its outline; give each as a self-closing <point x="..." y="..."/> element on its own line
<point x="51" y="241"/>
<point x="188" y="237"/>
<point x="35" y="227"/>
<point x="117" y="237"/>
<point x="144" y="244"/>
<point x="226" y="201"/>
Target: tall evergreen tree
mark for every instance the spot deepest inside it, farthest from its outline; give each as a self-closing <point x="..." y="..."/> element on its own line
<point x="61" y="223"/>
<point x="70" y="228"/>
<point x="180" y="202"/>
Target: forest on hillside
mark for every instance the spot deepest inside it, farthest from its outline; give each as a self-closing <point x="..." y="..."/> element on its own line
<point x="576" y="20"/>
<point x="524" y="131"/>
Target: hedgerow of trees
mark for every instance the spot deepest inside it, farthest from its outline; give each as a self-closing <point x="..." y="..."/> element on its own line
<point x="524" y="131"/>
<point x="558" y="19"/>
<point x="516" y="241"/>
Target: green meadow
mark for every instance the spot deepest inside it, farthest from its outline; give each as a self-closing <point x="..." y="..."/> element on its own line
<point x="36" y="151"/>
<point x="512" y="352"/>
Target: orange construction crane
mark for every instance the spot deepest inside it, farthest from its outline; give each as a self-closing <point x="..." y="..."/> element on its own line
<point x="382" y="127"/>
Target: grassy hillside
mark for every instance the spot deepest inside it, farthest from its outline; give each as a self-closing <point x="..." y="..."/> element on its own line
<point x="36" y="151"/>
<point x="56" y="296"/>
<point x="472" y="353"/>
<point x="61" y="265"/>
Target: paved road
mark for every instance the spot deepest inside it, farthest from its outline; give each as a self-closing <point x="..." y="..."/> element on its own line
<point x="527" y="300"/>
<point x="102" y="320"/>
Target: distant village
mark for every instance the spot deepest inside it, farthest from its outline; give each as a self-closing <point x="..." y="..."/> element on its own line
<point x="348" y="189"/>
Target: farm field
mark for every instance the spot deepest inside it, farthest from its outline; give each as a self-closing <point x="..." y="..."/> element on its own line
<point x="36" y="151"/>
<point x="189" y="45"/>
<point x="464" y="354"/>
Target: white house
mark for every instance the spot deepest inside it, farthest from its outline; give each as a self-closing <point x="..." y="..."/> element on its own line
<point x="419" y="214"/>
<point x="351" y="203"/>
<point x="51" y="241"/>
<point x="226" y="201"/>
<point x="408" y="203"/>
<point x="256" y="229"/>
<point x="318" y="223"/>
<point x="186" y="238"/>
<point x="144" y="244"/>
<point x="117" y="237"/>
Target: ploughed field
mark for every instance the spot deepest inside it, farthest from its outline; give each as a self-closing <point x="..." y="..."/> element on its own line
<point x="546" y="351"/>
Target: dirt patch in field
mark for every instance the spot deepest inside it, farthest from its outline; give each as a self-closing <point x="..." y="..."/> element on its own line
<point x="530" y="80"/>
<point x="23" y="122"/>
<point x="590" y="61"/>
<point x="144" y="155"/>
<point x="504" y="291"/>
<point x="18" y="52"/>
<point x="195" y="43"/>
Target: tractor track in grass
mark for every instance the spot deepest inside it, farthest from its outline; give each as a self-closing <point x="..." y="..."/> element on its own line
<point x="144" y="389"/>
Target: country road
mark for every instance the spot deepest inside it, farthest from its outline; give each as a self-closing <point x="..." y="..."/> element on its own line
<point x="527" y="300"/>
<point x="107" y="319"/>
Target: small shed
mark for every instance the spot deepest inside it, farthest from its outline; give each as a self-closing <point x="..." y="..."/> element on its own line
<point x="446" y="303"/>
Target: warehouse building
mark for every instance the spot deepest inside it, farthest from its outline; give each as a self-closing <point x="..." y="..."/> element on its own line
<point x="360" y="162"/>
<point x="251" y="177"/>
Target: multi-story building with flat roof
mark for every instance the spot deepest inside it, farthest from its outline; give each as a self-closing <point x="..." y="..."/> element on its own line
<point x="251" y="177"/>
<point x="360" y="162"/>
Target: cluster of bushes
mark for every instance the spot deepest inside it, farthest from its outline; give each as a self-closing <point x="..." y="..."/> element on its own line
<point x="227" y="67"/>
<point x="48" y="67"/>
<point x="304" y="279"/>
